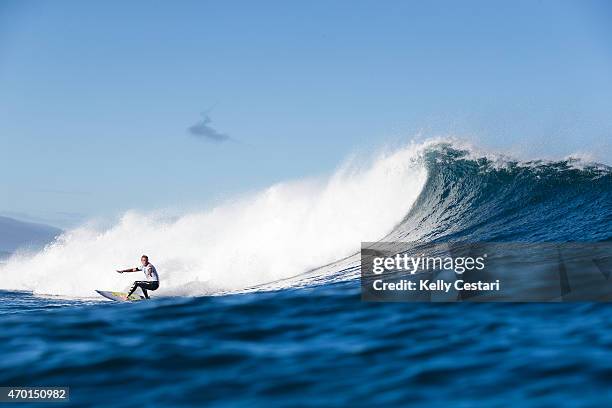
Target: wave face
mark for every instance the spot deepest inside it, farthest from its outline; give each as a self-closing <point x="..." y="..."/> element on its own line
<point x="278" y="238"/>
<point x="472" y="196"/>
<point x="278" y="233"/>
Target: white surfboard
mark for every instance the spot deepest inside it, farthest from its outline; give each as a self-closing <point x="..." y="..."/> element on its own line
<point x="119" y="296"/>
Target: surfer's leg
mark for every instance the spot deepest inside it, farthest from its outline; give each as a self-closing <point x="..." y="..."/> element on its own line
<point x="136" y="285"/>
<point x="133" y="288"/>
<point x="148" y="285"/>
<point x="144" y="286"/>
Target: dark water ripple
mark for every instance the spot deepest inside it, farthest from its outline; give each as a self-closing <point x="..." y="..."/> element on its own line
<point x="310" y="347"/>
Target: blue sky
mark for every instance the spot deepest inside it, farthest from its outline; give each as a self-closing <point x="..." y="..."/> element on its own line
<point x="96" y="98"/>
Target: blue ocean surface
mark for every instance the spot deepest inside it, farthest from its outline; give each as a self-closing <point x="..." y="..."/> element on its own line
<point x="315" y="343"/>
<point x="308" y="347"/>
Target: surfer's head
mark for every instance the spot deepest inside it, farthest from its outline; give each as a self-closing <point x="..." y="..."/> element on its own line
<point x="144" y="259"/>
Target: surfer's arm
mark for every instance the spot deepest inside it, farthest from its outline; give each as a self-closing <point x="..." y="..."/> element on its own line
<point x="128" y="270"/>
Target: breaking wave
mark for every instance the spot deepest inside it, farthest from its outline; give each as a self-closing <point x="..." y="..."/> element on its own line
<point x="309" y="232"/>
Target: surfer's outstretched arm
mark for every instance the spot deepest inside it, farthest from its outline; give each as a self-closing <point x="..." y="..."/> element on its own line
<point x="127" y="270"/>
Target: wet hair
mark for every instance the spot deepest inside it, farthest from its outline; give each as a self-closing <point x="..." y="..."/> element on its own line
<point x="144" y="256"/>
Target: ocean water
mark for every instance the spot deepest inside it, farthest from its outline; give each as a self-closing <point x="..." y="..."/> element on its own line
<point x="295" y="332"/>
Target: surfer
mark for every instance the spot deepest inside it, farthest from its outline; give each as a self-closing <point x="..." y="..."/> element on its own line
<point x="151" y="276"/>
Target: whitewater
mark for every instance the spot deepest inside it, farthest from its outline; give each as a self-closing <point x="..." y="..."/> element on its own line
<point x="278" y="233"/>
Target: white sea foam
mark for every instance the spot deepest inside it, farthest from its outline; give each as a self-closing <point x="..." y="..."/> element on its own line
<point x="277" y="233"/>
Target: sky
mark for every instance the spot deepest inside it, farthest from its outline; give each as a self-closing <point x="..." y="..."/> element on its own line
<point x="108" y="106"/>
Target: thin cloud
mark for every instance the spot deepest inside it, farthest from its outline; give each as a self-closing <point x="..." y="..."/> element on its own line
<point x="203" y="130"/>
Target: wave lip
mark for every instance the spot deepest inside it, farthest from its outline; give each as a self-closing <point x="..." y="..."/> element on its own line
<point x="474" y="197"/>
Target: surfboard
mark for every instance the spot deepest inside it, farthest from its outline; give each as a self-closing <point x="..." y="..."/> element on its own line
<point x="119" y="296"/>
